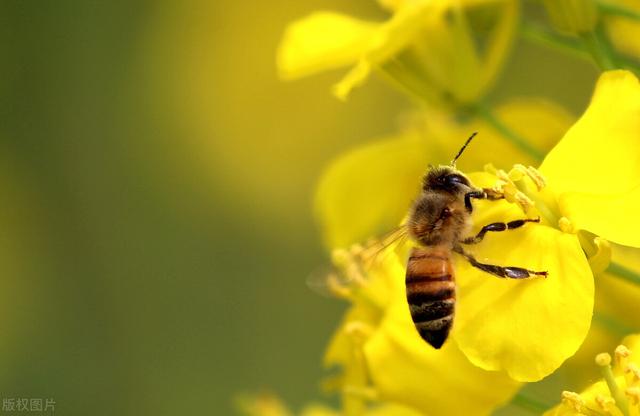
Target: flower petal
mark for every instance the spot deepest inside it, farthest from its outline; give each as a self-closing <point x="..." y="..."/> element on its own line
<point x="404" y="368"/>
<point x="506" y="324"/>
<point x="601" y="192"/>
<point x="322" y="41"/>
<point x="368" y="191"/>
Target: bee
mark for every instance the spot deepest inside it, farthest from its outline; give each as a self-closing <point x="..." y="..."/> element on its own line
<point x="439" y="222"/>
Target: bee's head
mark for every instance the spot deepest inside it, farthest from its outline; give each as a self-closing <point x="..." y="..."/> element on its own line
<point x="445" y="178"/>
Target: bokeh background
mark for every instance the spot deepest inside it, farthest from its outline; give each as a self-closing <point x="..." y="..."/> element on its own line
<point x="156" y="181"/>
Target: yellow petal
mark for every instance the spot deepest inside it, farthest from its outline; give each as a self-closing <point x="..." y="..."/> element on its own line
<point x="506" y="324"/>
<point x="369" y="190"/>
<point x="595" y="169"/>
<point x="404" y="368"/>
<point x="322" y="41"/>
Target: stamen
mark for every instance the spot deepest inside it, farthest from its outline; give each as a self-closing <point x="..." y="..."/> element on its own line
<point x="603" y="360"/>
<point x="566" y="226"/>
<point x="622" y="355"/>
<point x="573" y="400"/>
<point x="606" y="403"/>
<point x="358" y="331"/>
<point x="633" y="393"/>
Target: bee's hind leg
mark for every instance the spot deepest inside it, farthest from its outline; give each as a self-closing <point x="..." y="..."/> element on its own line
<point x="497" y="226"/>
<point x="511" y="272"/>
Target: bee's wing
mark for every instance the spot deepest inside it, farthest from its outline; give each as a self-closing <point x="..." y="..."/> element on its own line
<point x="329" y="282"/>
<point x="336" y="282"/>
<point x="376" y="249"/>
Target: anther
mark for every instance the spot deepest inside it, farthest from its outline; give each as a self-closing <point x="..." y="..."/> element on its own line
<point x="622" y="354"/>
<point x="358" y="331"/>
<point x="573" y="400"/>
<point x="606" y="403"/>
<point x="633" y="393"/>
<point x="603" y="359"/>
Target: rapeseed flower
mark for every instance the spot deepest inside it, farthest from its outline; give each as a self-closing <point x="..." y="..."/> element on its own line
<point x="383" y="359"/>
<point x="592" y="190"/>
<point x="426" y="47"/>
<point x="617" y="393"/>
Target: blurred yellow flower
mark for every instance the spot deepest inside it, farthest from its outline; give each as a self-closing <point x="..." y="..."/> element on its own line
<point x="270" y="405"/>
<point x="622" y="30"/>
<point x="617" y="393"/>
<point x="427" y="47"/>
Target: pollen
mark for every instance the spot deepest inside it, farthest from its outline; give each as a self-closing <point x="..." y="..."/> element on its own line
<point x="633" y="394"/>
<point x="574" y="401"/>
<point x="359" y="332"/>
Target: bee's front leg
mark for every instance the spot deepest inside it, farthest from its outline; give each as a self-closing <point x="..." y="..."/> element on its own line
<point x="484" y="193"/>
<point x="498" y="226"/>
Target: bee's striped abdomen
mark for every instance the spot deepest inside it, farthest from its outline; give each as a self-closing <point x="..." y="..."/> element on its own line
<point x="431" y="293"/>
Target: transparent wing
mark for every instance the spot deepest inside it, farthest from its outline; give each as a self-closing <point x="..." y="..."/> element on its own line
<point x="351" y="266"/>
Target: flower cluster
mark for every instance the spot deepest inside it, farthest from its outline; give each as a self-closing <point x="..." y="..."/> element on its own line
<point x="579" y="176"/>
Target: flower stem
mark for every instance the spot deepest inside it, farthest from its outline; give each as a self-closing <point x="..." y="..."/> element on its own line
<point x="541" y="36"/>
<point x="530" y="403"/>
<point x="523" y="144"/>
<point x="598" y="45"/>
<point x="624" y="273"/>
<point x="617" y="10"/>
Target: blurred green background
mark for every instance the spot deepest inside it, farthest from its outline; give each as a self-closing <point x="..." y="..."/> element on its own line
<point x="155" y="184"/>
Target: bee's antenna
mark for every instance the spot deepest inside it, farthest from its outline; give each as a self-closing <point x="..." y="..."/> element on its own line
<point x="453" y="162"/>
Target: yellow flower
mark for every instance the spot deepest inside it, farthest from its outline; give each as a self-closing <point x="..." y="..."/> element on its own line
<point x="572" y="16"/>
<point x="615" y="313"/>
<point x="618" y="393"/>
<point x="384" y="359"/>
<point x="593" y="189"/>
<point x="592" y="177"/>
<point x="427" y="47"/>
<point x="270" y="405"/>
<point x="367" y="191"/>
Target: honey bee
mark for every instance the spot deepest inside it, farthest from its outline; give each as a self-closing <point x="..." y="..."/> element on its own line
<point x="440" y="222"/>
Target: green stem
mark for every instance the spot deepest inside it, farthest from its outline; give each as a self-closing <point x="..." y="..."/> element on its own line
<point x="598" y="45"/>
<point x="523" y="144"/>
<point x="624" y="273"/>
<point x="529" y="403"/>
<point x="617" y="10"/>
<point x="541" y="36"/>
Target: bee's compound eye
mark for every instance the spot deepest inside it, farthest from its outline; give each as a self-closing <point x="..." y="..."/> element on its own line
<point x="457" y="179"/>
